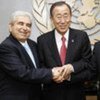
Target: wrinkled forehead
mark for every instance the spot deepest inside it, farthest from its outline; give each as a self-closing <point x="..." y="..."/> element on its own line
<point x="21" y="18"/>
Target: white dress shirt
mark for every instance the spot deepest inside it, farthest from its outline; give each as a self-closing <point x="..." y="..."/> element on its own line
<point x="58" y="37"/>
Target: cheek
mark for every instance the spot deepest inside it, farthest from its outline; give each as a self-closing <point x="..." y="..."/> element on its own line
<point x="56" y="23"/>
<point x="29" y="31"/>
<point x="28" y="34"/>
<point x="68" y="19"/>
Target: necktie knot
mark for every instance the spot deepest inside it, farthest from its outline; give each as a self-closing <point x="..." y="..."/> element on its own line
<point x="63" y="39"/>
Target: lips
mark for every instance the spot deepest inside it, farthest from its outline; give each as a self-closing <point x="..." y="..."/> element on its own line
<point x="62" y="27"/>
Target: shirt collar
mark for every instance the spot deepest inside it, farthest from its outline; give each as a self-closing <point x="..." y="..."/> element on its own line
<point x="58" y="36"/>
<point x="24" y="43"/>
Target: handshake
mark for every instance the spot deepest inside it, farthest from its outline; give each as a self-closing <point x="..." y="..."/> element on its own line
<point x="62" y="73"/>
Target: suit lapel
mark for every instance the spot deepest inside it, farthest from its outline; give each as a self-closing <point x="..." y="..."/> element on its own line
<point x="54" y="50"/>
<point x="27" y="58"/>
<point x="34" y="52"/>
<point x="70" y="49"/>
<point x="71" y="46"/>
<point x="23" y="54"/>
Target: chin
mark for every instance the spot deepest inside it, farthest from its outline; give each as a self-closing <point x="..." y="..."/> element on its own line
<point x="63" y="31"/>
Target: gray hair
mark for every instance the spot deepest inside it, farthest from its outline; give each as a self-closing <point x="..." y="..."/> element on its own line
<point x="20" y="13"/>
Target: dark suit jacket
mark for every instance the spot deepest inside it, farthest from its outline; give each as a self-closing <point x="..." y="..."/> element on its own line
<point x="78" y="54"/>
<point x="96" y="58"/>
<point x="96" y="62"/>
<point x="19" y="80"/>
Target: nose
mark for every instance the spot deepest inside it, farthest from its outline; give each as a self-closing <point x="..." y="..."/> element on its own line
<point x="62" y="20"/>
<point x="24" y="27"/>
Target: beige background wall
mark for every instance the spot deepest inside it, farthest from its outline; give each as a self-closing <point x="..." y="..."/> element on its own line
<point x="9" y="6"/>
<point x="91" y="25"/>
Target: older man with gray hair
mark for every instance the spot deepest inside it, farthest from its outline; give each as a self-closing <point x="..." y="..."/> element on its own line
<point x="20" y="72"/>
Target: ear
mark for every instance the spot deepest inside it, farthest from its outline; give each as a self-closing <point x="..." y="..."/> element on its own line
<point x="50" y="18"/>
<point x="52" y="24"/>
<point x="10" y="27"/>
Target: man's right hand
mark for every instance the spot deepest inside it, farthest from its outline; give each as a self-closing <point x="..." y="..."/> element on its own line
<point x="57" y="74"/>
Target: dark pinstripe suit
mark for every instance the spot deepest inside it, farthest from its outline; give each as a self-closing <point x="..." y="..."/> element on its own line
<point x="19" y="80"/>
